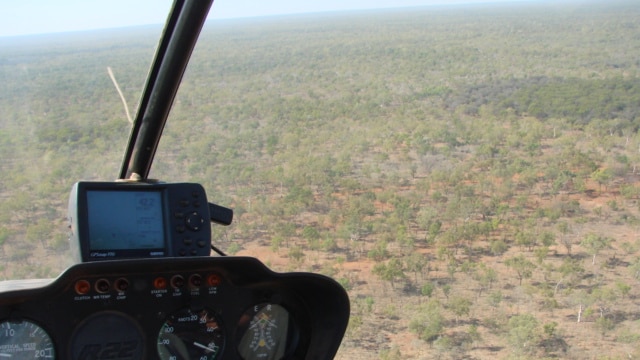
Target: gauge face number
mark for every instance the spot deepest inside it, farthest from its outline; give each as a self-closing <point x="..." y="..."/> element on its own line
<point x="23" y="339"/>
<point x="190" y="334"/>
<point x="266" y="335"/>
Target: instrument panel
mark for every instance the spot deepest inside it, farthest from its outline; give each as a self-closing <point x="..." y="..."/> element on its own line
<point x="171" y="309"/>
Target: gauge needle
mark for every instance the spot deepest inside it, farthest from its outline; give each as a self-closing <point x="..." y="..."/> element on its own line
<point x="203" y="347"/>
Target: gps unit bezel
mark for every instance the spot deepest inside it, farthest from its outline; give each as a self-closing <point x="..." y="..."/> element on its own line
<point x="185" y="221"/>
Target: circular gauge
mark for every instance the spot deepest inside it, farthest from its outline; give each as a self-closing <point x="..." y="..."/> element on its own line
<point x="107" y="334"/>
<point x="266" y="333"/>
<point x="22" y="339"/>
<point x="190" y="334"/>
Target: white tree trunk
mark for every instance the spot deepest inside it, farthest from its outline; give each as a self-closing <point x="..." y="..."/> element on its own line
<point x="555" y="290"/>
<point x="579" y="312"/>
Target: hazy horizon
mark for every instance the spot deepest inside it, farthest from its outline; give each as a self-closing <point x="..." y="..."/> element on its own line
<point x="19" y="18"/>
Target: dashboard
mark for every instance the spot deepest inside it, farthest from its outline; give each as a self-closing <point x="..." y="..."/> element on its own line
<point x="173" y="308"/>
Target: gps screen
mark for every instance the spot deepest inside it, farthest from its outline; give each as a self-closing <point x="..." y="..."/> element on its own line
<point x="125" y="220"/>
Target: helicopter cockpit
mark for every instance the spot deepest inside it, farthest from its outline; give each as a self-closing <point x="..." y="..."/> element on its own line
<point x="144" y="285"/>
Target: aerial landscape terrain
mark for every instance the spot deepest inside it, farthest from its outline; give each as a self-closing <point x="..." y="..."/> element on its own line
<point x="470" y="174"/>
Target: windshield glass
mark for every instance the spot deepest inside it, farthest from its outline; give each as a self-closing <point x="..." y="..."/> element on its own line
<point x="62" y="117"/>
<point x="468" y="172"/>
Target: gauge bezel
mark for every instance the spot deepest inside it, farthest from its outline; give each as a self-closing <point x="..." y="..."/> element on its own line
<point x="292" y="338"/>
<point x="117" y="344"/>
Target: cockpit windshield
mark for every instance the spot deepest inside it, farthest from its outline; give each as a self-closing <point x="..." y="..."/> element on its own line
<point x="66" y="67"/>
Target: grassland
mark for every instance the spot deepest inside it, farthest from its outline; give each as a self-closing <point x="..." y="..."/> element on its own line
<point x="469" y="174"/>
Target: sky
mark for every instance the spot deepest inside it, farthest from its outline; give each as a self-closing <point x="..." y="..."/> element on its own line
<point x="46" y="16"/>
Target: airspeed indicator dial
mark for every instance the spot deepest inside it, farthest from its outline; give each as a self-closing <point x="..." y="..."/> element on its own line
<point x="190" y="334"/>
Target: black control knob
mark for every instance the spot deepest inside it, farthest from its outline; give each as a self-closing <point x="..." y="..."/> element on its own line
<point x="194" y="221"/>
